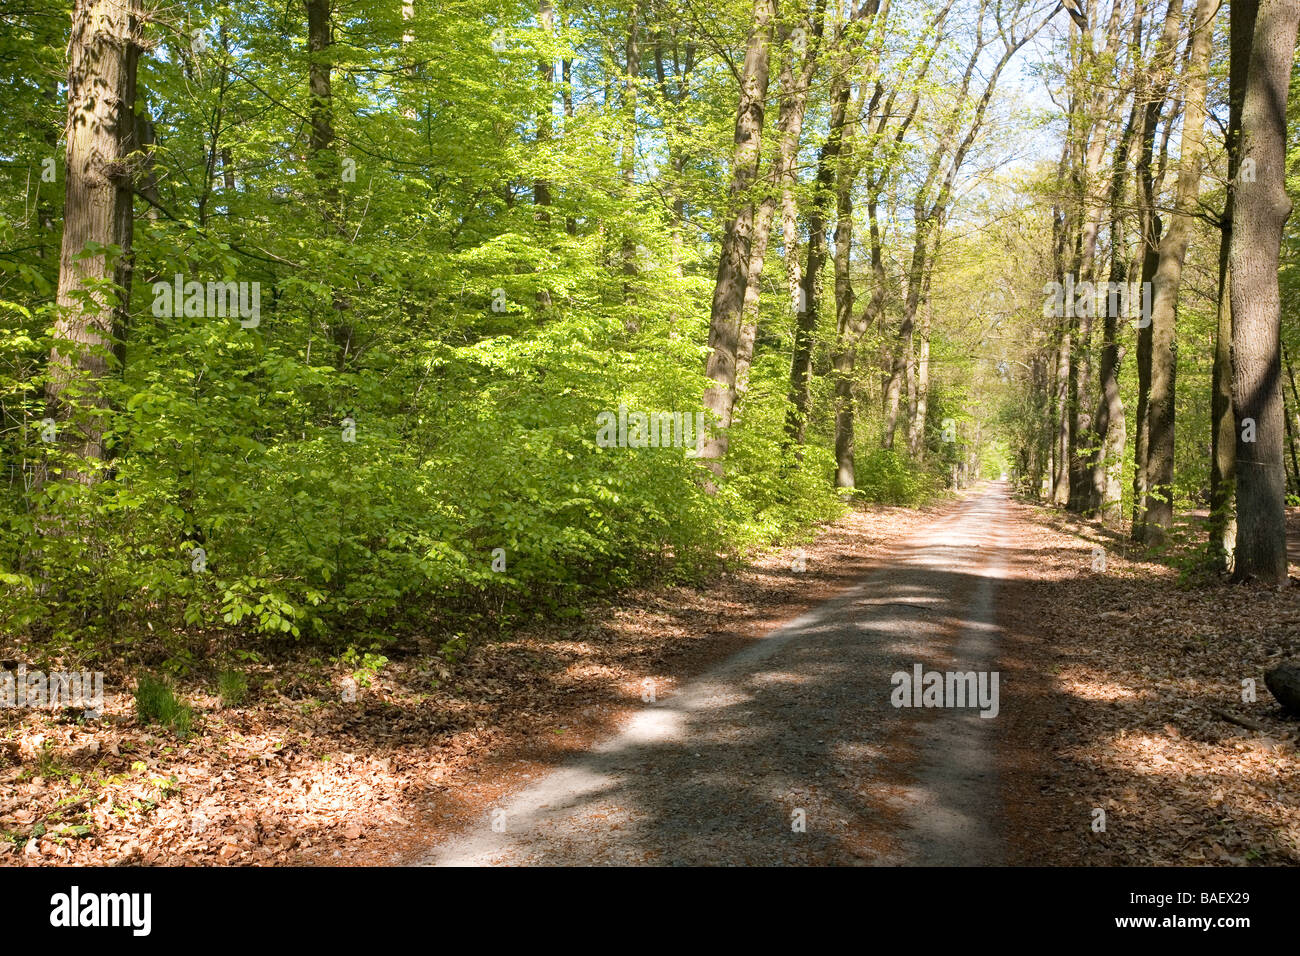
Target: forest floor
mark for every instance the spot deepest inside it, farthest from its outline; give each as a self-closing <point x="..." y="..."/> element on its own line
<point x="769" y="696"/>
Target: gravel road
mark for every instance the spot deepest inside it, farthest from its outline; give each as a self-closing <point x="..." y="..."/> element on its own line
<point x="790" y="752"/>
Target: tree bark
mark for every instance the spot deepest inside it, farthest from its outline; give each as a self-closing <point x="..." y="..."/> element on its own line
<point x="546" y="82"/>
<point x="1094" y="137"/>
<point x="916" y="426"/>
<point x="1168" y="279"/>
<point x="1108" y="423"/>
<point x="321" y="98"/>
<point x="103" y="51"/>
<point x="1061" y="437"/>
<point x="806" y="321"/>
<point x="631" y="72"/>
<point x="794" y="102"/>
<point x="1260" y="212"/>
<point x="1153" y="84"/>
<point x="1223" y="440"/>
<point x="733" y="261"/>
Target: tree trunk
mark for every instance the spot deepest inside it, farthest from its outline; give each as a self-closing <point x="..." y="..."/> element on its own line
<point x="1292" y="421"/>
<point x="733" y="261"/>
<point x="321" y="98"/>
<point x="1294" y="484"/>
<point x="806" y="321"/>
<point x="320" y="37"/>
<point x="846" y="357"/>
<point x="1260" y="211"/>
<point x="103" y="50"/>
<point x="631" y="72"/>
<point x="1094" y="139"/>
<point x="1061" y="439"/>
<point x="1141" y="432"/>
<point x="1168" y="279"/>
<point x="546" y="82"/>
<point x="794" y="101"/>
<point x="1223" y="439"/>
<point x="1152" y="87"/>
<point x="916" y="427"/>
<point x="848" y="329"/>
<point x="1108" y="423"/>
<point x="542" y="197"/>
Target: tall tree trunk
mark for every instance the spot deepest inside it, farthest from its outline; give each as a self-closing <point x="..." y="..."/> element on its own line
<point x="1292" y="419"/>
<point x="632" y="70"/>
<point x="320" y="37"/>
<point x="916" y="427"/>
<point x="103" y="51"/>
<point x="566" y="96"/>
<point x="675" y="133"/>
<point x="806" y="321"/>
<point x="1061" y="436"/>
<point x="1168" y="279"/>
<point x="848" y="328"/>
<point x="546" y="82"/>
<point x="733" y="261"/>
<point x="1094" y="137"/>
<point x="789" y="126"/>
<point x="1290" y="444"/>
<point x="846" y="356"/>
<point x="321" y="97"/>
<point x="1223" y="439"/>
<point x="1141" y="432"/>
<point x="1260" y="212"/>
<point x="1152" y="86"/>
<point x="1108" y="423"/>
<point x="542" y="198"/>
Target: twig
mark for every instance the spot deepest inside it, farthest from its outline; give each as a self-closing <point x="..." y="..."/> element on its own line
<point x="1240" y="721"/>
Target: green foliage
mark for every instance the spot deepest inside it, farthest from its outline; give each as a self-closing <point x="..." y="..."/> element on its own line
<point x="410" y="285"/>
<point x="365" y="665"/>
<point x="887" y="477"/>
<point x="232" y="686"/>
<point x="156" y="703"/>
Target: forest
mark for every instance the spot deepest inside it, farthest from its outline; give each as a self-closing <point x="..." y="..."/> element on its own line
<point x="360" y="360"/>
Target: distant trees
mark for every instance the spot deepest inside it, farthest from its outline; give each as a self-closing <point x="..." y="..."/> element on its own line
<point x="1148" y="104"/>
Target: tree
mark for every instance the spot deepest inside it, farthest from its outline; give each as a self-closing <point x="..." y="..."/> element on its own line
<point x="1171" y="256"/>
<point x="1105" y="491"/>
<point x="1260" y="211"/>
<point x="733" y="260"/>
<point x="1223" y="441"/>
<point x="95" y="261"/>
<point x="1152" y="90"/>
<point x="789" y="124"/>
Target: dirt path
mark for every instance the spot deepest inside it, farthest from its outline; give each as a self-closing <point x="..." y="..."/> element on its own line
<point x="790" y="752"/>
<point x="773" y="685"/>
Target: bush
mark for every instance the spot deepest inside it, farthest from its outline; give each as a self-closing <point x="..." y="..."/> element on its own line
<point x="887" y="477"/>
